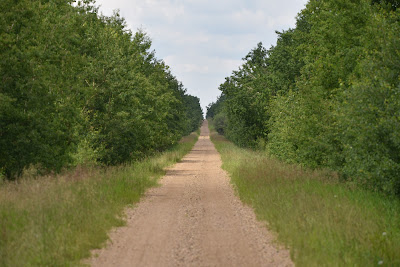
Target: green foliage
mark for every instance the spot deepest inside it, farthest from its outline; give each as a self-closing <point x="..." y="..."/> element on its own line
<point x="216" y="107"/>
<point x="327" y="94"/>
<point x="245" y="97"/>
<point x="217" y="115"/>
<point x="220" y="122"/>
<point x="37" y="71"/>
<point x="370" y="118"/>
<point x="194" y="113"/>
<point x="73" y="80"/>
<point x="389" y="4"/>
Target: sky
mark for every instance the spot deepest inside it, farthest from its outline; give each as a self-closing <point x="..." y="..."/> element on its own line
<point x="203" y="41"/>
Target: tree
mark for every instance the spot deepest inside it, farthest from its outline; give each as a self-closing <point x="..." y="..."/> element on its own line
<point x="78" y="86"/>
<point x="246" y="94"/>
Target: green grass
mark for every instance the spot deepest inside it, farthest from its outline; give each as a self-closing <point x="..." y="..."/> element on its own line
<point x="322" y="221"/>
<point x="56" y="221"/>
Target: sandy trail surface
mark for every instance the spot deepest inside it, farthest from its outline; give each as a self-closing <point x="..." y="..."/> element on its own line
<point x="193" y="219"/>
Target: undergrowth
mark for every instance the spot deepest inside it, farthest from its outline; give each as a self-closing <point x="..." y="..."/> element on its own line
<point x="57" y="220"/>
<point x="323" y="221"/>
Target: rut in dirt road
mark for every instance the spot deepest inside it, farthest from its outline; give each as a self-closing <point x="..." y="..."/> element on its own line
<point x="192" y="219"/>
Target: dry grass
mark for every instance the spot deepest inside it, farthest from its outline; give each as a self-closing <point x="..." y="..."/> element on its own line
<point x="57" y="220"/>
<point x="189" y="138"/>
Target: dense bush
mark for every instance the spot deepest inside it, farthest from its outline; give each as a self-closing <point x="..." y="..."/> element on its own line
<point x="194" y="113"/>
<point x="327" y="95"/>
<point x="78" y="86"/>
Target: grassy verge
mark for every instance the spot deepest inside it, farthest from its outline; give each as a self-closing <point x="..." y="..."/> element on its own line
<point x="56" y="221"/>
<point x="322" y="221"/>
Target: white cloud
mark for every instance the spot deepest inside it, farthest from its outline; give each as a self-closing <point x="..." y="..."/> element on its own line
<point x="203" y="41"/>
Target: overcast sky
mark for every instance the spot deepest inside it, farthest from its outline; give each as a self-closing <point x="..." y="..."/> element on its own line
<point x="203" y="41"/>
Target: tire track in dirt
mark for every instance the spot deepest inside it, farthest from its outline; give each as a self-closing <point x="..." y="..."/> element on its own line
<point x="193" y="219"/>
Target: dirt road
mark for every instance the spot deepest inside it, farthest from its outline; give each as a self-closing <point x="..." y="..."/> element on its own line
<point x="193" y="219"/>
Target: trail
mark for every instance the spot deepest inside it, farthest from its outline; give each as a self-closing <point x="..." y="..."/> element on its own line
<point x="193" y="219"/>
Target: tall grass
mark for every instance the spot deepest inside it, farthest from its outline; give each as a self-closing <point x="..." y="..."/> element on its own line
<point x="323" y="221"/>
<point x="56" y="221"/>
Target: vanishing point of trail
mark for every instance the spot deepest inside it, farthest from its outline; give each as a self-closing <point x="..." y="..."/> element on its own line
<point x="193" y="219"/>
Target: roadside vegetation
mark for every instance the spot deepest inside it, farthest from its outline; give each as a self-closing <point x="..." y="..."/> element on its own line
<point x="89" y="119"/>
<point x="315" y="130"/>
<point x="326" y="95"/>
<point x="78" y="87"/>
<point x="323" y="221"/>
<point x="56" y="220"/>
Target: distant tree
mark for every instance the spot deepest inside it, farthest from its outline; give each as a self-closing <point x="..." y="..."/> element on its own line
<point x="215" y="107"/>
<point x="194" y="113"/>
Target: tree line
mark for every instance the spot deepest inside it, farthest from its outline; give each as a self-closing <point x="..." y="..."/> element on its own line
<point x="327" y="95"/>
<point x="77" y="86"/>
